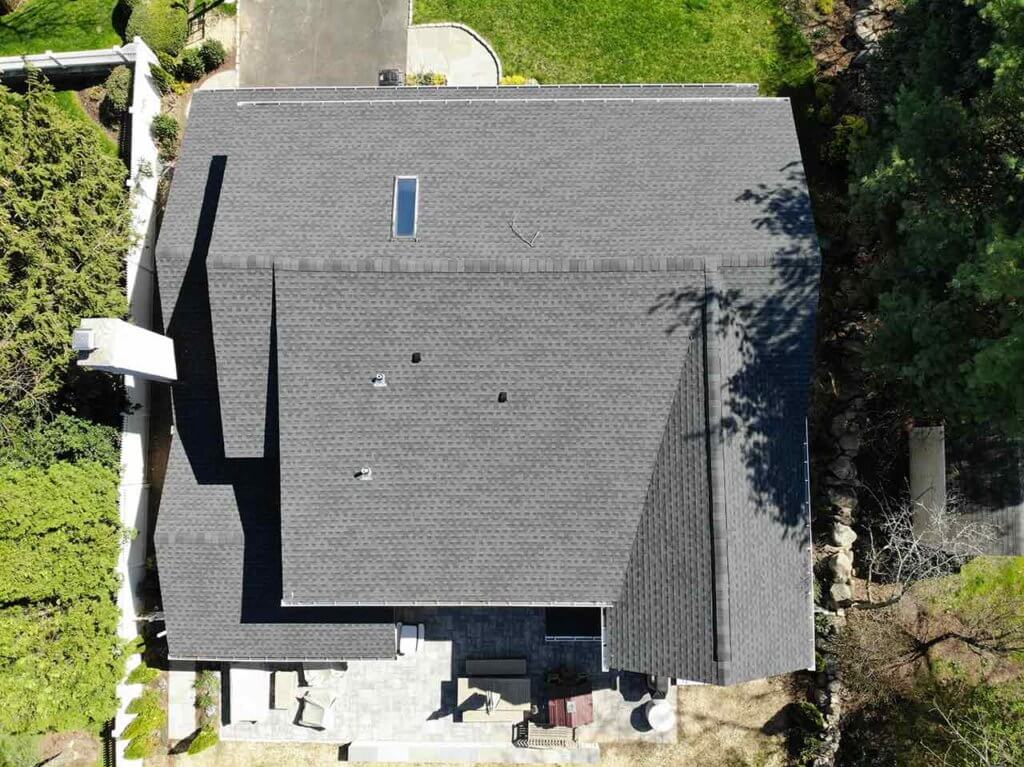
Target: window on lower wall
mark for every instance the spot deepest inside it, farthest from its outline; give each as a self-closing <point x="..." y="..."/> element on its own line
<point x="572" y="624"/>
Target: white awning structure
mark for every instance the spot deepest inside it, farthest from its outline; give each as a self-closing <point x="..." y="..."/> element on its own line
<point x="249" y="697"/>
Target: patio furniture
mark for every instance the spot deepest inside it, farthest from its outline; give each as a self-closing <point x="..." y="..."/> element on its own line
<point x="532" y="735"/>
<point x="321" y="677"/>
<point x="660" y="715"/>
<point x="570" y="706"/>
<point x="248" y="694"/>
<point x="493" y="699"/>
<point x="410" y="638"/>
<point x="286" y="688"/>
<point x="317" y="710"/>
<point x="496" y="667"/>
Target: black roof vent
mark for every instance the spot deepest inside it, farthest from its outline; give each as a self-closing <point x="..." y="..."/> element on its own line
<point x="503" y="396"/>
<point x="416" y="357"/>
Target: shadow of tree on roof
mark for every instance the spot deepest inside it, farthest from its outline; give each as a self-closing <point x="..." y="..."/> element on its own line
<point x="759" y="312"/>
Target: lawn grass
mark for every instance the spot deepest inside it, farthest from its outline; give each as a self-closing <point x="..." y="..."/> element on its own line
<point x="621" y="41"/>
<point x="58" y="25"/>
<point x="68" y="103"/>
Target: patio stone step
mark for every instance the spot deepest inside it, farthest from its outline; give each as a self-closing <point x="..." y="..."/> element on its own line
<point x="395" y="751"/>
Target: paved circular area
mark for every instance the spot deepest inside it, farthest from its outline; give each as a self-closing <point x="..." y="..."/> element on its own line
<point x="455" y="51"/>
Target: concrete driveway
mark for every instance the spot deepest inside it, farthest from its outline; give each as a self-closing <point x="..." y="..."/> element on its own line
<point x="321" y="42"/>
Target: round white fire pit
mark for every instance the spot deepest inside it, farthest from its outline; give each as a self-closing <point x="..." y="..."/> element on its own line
<point x="660" y="715"/>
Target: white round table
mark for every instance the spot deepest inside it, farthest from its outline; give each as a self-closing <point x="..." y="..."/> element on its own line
<point x="660" y="715"/>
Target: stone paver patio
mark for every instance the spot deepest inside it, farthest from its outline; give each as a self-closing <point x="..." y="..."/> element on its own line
<point x="413" y="699"/>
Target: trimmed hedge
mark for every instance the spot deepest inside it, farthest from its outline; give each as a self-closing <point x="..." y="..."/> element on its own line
<point x="205" y="738"/>
<point x="165" y="131"/>
<point x="163" y="24"/>
<point x="213" y="54"/>
<point x="118" y="87"/>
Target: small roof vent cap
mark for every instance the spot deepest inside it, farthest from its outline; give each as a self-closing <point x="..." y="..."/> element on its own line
<point x="365" y="472"/>
<point x="83" y="340"/>
<point x="379" y="380"/>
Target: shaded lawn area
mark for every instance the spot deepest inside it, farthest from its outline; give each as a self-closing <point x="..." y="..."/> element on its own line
<point x="621" y="41"/>
<point x="59" y="25"/>
<point x="68" y="103"/>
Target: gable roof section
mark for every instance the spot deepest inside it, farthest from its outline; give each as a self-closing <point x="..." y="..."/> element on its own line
<point x="663" y="618"/>
<point x="534" y="500"/>
<point x="240" y="305"/>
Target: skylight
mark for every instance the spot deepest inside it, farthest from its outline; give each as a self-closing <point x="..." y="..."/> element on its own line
<point x="403" y="217"/>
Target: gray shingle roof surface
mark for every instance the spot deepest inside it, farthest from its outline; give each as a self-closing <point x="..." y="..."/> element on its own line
<point x="663" y="617"/>
<point x="762" y="337"/>
<point x="592" y="483"/>
<point x="240" y="303"/>
<point x="472" y="500"/>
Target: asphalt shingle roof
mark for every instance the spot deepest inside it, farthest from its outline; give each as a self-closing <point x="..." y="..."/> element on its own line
<point x="675" y="256"/>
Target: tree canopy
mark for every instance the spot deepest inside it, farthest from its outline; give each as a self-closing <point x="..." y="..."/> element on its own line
<point x="938" y="199"/>
<point x="64" y="227"/>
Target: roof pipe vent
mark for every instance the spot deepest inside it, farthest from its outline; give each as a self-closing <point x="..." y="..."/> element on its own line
<point x="380" y="380"/>
<point x="364" y="472"/>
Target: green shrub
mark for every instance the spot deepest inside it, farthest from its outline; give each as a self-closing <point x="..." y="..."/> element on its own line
<point x="148" y="721"/>
<point x="163" y="79"/>
<point x="163" y="24"/>
<point x="167" y="61"/>
<point x="65" y="438"/>
<point x="142" y="748"/>
<point x="207" y="687"/>
<point x="426" y="78"/>
<point x="514" y="80"/>
<point x="190" y="66"/>
<point x="213" y="54"/>
<point x="65" y="206"/>
<point x="825" y="7"/>
<point x="165" y="132"/>
<point x="148" y="701"/>
<point x="118" y="87"/>
<point x="205" y="738"/>
<point x="142" y="674"/>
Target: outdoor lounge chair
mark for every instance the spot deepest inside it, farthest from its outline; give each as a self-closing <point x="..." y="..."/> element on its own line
<point x="317" y="710"/>
<point x="410" y="638"/>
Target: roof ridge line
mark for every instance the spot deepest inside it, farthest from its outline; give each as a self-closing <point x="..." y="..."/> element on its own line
<point x="716" y="477"/>
<point x="534" y="100"/>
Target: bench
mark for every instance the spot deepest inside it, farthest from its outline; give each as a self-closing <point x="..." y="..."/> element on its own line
<point x="529" y="735"/>
<point x="496" y="667"/>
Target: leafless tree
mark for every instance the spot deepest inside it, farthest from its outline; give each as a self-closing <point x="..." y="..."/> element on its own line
<point x="903" y="551"/>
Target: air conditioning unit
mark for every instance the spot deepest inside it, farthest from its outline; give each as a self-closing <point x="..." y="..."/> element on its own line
<point x="390" y="77"/>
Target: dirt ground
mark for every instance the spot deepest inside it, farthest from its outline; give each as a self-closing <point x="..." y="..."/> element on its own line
<point x="718" y="727"/>
<point x="73" y="749"/>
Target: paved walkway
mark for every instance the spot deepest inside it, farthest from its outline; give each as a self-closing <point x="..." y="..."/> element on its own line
<point x="453" y="50"/>
<point x="320" y="42"/>
<point x="181" y="704"/>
